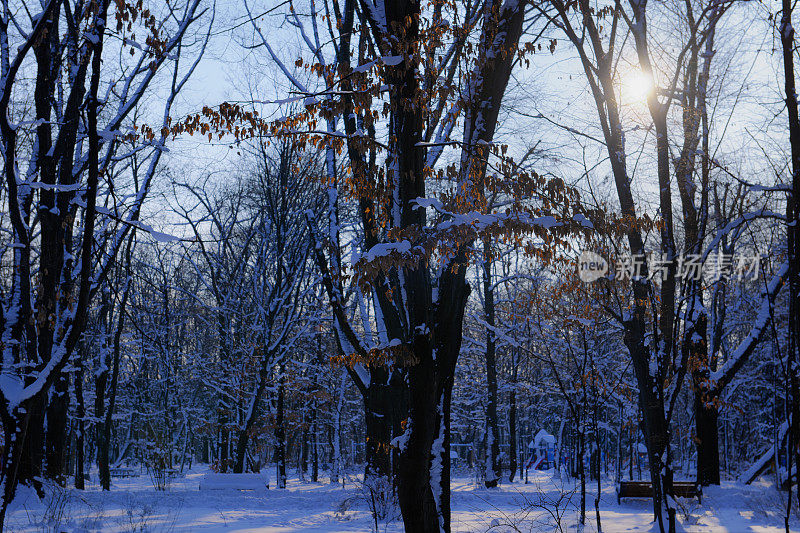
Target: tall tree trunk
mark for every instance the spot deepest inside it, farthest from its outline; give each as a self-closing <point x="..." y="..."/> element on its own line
<point x="695" y="345"/>
<point x="303" y="452"/>
<point x="793" y="230"/>
<point x="384" y="410"/>
<point x="80" y="431"/>
<point x="55" y="457"/>
<point x="106" y="419"/>
<point x="224" y="438"/>
<point x="418" y="458"/>
<point x="101" y="380"/>
<point x="597" y="442"/>
<point x="31" y="451"/>
<point x="601" y="80"/>
<point x="335" y="435"/>
<point x="493" y="472"/>
<point x="581" y="457"/>
<point x="707" y="432"/>
<point x="14" y="432"/>
<point x="512" y="424"/>
<point x="429" y="326"/>
<point x="51" y="286"/>
<point x="252" y="414"/>
<point x="655" y="406"/>
<point x="280" y="432"/>
<point x="314" y="441"/>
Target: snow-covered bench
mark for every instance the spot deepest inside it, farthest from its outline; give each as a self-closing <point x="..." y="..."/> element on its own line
<point x="217" y="481"/>
<point x="644" y="489"/>
<point x="122" y="472"/>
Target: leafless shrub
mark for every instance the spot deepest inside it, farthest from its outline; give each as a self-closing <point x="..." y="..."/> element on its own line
<point x="538" y="511"/>
<point x="56" y="503"/>
<point x="157" y="468"/>
<point x="145" y="516"/>
<point x="378" y="493"/>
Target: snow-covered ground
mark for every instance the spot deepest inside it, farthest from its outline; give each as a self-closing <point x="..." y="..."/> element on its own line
<point x="133" y="505"/>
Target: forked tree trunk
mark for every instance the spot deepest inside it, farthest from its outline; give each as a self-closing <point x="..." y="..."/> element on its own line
<point x="252" y="415"/>
<point x="603" y="89"/>
<point x="430" y="329"/>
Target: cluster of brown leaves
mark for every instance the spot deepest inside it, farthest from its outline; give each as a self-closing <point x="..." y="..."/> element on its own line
<point x="400" y="354"/>
<point x="126" y="15"/>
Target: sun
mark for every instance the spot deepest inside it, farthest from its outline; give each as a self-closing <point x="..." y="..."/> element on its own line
<point x="636" y="86"/>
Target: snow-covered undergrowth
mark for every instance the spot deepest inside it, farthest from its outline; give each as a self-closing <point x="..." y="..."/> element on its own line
<point x="133" y="505"/>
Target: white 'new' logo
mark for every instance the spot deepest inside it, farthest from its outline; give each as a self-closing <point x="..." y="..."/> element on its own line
<point x="591" y="266"/>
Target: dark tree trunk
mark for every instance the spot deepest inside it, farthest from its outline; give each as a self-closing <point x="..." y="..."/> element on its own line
<point x="280" y="434"/>
<point x="493" y="472"/>
<point x="224" y="439"/>
<point x="512" y="428"/>
<point x="303" y="459"/>
<point x="31" y="451"/>
<point x="582" y="467"/>
<point x="705" y="400"/>
<point x="654" y="424"/>
<point x="100" y="434"/>
<point x="54" y="238"/>
<point x="314" y="440"/>
<point x="14" y="432"/>
<point x="80" y="430"/>
<point x="793" y="231"/>
<point x="707" y="433"/>
<point x="104" y="431"/>
<point x="384" y="410"/>
<point x="330" y="436"/>
<point x="597" y="441"/>
<point x="252" y="416"/>
<point x="695" y="349"/>
<point x="57" y="430"/>
<point x="23" y="424"/>
<point x="315" y="408"/>
<point x="429" y="328"/>
<point x="418" y="503"/>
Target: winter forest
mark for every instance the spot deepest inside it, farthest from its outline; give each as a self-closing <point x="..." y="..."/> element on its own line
<point x="399" y="265"/>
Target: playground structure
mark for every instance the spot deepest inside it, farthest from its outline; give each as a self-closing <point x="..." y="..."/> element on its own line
<point x="542" y="452"/>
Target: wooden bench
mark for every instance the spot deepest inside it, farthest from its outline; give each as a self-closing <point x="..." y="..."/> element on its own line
<point x="644" y="489"/>
<point x="216" y="481"/>
<point x="122" y="472"/>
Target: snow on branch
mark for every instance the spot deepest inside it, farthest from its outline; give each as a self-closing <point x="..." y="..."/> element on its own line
<point x="725" y="373"/>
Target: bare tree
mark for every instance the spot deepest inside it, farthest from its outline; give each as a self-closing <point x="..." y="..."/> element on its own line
<point x="53" y="200"/>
